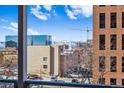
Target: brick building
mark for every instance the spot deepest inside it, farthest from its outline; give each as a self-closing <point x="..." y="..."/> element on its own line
<point x="108" y="44"/>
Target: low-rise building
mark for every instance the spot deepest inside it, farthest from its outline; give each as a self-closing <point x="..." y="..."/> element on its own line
<point x="43" y="60"/>
<point x="8" y="55"/>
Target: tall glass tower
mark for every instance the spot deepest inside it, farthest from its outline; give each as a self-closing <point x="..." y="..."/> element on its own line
<point x="12" y="40"/>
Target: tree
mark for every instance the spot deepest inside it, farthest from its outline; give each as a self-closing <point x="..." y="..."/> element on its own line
<point x="80" y="62"/>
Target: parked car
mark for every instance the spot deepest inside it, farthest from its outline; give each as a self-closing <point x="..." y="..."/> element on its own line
<point x="74" y="81"/>
<point x="34" y="77"/>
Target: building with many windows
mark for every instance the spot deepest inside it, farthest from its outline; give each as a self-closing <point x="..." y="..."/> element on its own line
<point x="108" y="44"/>
<point x="12" y="40"/>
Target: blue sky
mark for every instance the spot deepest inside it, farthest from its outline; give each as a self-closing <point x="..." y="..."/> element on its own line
<point x="62" y="22"/>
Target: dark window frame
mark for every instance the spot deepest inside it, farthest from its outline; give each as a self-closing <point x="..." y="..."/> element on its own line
<point x="122" y="19"/>
<point x="123" y="64"/>
<point x="102" y="42"/>
<point x="101" y="5"/>
<point x="113" y="20"/>
<point x="122" y="41"/>
<point x="45" y="58"/>
<point x="113" y="42"/>
<point x="113" y="81"/>
<point x="113" y="64"/>
<point x="101" y="63"/>
<point x="102" y="20"/>
<point x="45" y="66"/>
<point x="122" y="82"/>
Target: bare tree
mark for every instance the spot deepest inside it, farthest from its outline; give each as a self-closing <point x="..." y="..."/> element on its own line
<point x="80" y="62"/>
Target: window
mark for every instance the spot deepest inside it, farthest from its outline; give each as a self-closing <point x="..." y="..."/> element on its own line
<point x="113" y="5"/>
<point x="113" y="64"/>
<point x="113" y="20"/>
<point x="101" y="80"/>
<point x="45" y="66"/>
<point x="122" y="64"/>
<point x="122" y="19"/>
<point x="113" y="42"/>
<point x="113" y="81"/>
<point x="101" y="63"/>
<point x="102" y="20"/>
<point x="122" y="82"/>
<point x="123" y="42"/>
<point x="101" y="5"/>
<point x="48" y="53"/>
<point x="44" y="58"/>
<point x="102" y="42"/>
<point x="9" y="42"/>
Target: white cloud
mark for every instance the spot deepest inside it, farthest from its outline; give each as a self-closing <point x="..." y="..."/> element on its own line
<point x="48" y="7"/>
<point x="3" y="20"/>
<point x="38" y="13"/>
<point x="10" y="28"/>
<point x="87" y="11"/>
<point x="32" y="32"/>
<point x="70" y="14"/>
<point x="75" y="11"/>
<point x="13" y="26"/>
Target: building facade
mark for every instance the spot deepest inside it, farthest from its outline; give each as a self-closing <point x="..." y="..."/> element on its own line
<point x="8" y="55"/>
<point x="12" y="41"/>
<point x="43" y="60"/>
<point x="108" y="44"/>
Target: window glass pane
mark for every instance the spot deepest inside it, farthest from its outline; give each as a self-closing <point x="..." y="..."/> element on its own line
<point x="8" y="41"/>
<point x="102" y="42"/>
<point x="113" y="42"/>
<point x="59" y="45"/>
<point x="113" y="64"/>
<point x="122" y="19"/>
<point x="102" y="63"/>
<point x="123" y="82"/>
<point x="122" y="64"/>
<point x="113" y="20"/>
<point x="101" y="5"/>
<point x="113" y="81"/>
<point x="102" y="20"/>
<point x="101" y="80"/>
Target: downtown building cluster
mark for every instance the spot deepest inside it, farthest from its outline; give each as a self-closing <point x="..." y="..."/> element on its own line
<point x="44" y="59"/>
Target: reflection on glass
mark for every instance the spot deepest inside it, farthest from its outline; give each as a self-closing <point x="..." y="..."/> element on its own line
<point x="8" y="44"/>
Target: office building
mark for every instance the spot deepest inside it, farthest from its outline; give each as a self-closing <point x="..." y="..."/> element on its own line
<point x="108" y="44"/>
<point x="12" y="40"/>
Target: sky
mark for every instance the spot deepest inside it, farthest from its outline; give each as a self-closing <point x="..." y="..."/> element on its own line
<point x="62" y="22"/>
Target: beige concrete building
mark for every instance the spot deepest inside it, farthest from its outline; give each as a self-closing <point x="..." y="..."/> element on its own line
<point x="108" y="44"/>
<point x="43" y="60"/>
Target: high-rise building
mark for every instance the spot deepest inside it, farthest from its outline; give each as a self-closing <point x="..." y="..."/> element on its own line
<point x="108" y="44"/>
<point x="12" y="40"/>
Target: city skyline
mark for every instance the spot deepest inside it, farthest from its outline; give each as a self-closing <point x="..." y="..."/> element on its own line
<point x="62" y="22"/>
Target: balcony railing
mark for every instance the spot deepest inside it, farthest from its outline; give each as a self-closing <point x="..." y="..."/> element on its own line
<point x="9" y="83"/>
